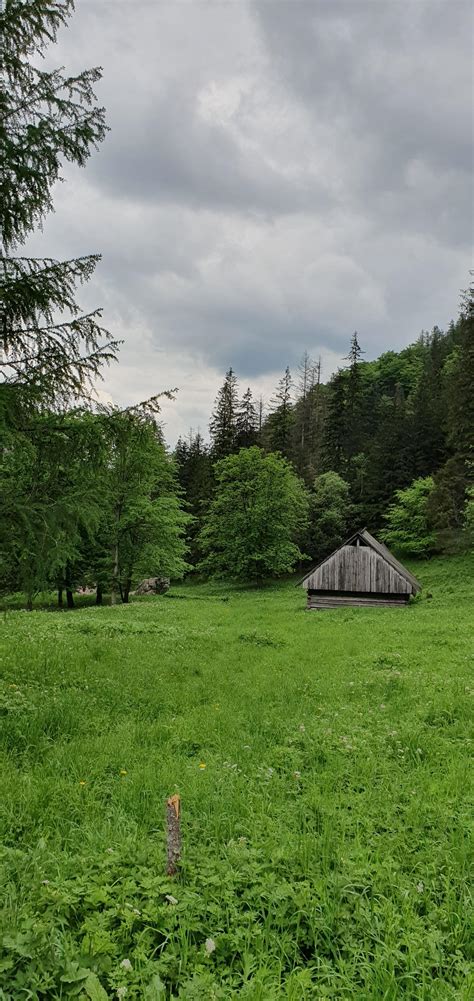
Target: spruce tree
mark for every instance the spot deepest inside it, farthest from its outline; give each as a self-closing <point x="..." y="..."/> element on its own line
<point x="195" y="474"/>
<point x="247" y="422"/>
<point x="334" y="435"/>
<point x="428" y="444"/>
<point x="50" y="350"/>
<point x="354" y="430"/>
<point x="223" y="424"/>
<point x="461" y="405"/>
<point x="280" y="422"/>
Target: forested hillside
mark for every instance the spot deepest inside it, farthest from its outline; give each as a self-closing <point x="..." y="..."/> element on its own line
<point x="401" y="423"/>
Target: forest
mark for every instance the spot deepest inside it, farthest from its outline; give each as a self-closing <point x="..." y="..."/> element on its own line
<point x="91" y="496"/>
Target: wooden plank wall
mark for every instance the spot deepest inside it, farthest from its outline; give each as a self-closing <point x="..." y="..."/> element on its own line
<point x="357" y="568"/>
<point x="320" y="602"/>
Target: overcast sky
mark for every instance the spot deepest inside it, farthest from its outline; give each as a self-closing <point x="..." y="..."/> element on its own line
<point x="277" y="174"/>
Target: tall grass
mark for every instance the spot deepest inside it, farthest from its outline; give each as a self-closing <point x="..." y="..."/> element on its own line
<point x="325" y="842"/>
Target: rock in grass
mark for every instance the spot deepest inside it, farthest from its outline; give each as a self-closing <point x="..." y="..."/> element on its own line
<point x="153" y="585"/>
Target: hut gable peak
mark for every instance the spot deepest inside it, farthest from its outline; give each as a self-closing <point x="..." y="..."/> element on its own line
<point x="373" y="570"/>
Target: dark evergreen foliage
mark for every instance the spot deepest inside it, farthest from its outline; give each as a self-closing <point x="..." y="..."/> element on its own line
<point x="223" y="423"/>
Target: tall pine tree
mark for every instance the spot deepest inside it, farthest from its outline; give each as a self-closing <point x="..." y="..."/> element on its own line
<point x="280" y="422"/>
<point x="51" y="351"/>
<point x="247" y="422"/>
<point x="223" y="424"/>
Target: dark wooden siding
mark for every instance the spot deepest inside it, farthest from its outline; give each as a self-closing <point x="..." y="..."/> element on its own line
<point x="318" y="600"/>
<point x="355" y="569"/>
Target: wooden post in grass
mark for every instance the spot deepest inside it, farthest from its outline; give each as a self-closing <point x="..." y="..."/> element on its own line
<point x="173" y="834"/>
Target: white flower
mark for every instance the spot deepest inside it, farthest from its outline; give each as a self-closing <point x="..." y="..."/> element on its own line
<point x="45" y="882"/>
<point x="302" y="727"/>
<point x="171" y="900"/>
<point x="121" y="992"/>
<point x="420" y="887"/>
<point x="126" y="965"/>
<point x="297" y="775"/>
<point x="209" y="946"/>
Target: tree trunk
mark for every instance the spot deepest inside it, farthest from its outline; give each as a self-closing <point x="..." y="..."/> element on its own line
<point x="126" y="591"/>
<point x="115" y="577"/>
<point x="68" y="582"/>
<point x="29" y="603"/>
<point x="98" y="594"/>
<point x="60" y="597"/>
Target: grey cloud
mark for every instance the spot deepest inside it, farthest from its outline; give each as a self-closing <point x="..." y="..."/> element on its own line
<point x="164" y="153"/>
<point x="276" y="175"/>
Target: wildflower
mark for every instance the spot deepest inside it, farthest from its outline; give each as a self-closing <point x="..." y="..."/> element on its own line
<point x="202" y="765"/>
<point x="210" y="946"/>
<point x="123" y="771"/>
<point x="121" y="992"/>
<point x="420" y="887"/>
<point x="302" y="728"/>
<point x="382" y="705"/>
<point x="82" y="782"/>
<point x="45" y="882"/>
<point x="126" y="965"/>
<point x="171" y="900"/>
<point x="136" y="911"/>
<point x="297" y="775"/>
<point x="110" y="850"/>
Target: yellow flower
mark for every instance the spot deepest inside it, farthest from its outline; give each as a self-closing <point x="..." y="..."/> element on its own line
<point x="82" y="783"/>
<point x="202" y="764"/>
<point x="123" y="771"/>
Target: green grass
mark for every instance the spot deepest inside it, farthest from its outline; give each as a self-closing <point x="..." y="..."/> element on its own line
<point x="325" y="843"/>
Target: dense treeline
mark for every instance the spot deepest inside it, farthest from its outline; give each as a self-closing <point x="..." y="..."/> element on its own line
<point x="387" y="443"/>
<point x="89" y="496"/>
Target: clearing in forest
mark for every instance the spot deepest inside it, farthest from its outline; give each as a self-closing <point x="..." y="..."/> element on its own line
<point x="322" y="761"/>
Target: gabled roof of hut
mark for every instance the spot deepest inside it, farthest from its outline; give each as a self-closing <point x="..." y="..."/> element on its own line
<point x="368" y="540"/>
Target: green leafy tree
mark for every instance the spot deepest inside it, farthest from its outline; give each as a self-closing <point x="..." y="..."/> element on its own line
<point x="51" y="499"/>
<point x="143" y="529"/>
<point x="408" y="524"/>
<point x="256" y="519"/>
<point x="469" y="518"/>
<point x="330" y="514"/>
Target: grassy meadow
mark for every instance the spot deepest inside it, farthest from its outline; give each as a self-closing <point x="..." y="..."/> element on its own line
<point x="323" y="765"/>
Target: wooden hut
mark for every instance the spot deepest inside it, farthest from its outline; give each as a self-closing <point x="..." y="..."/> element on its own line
<point x="361" y="572"/>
